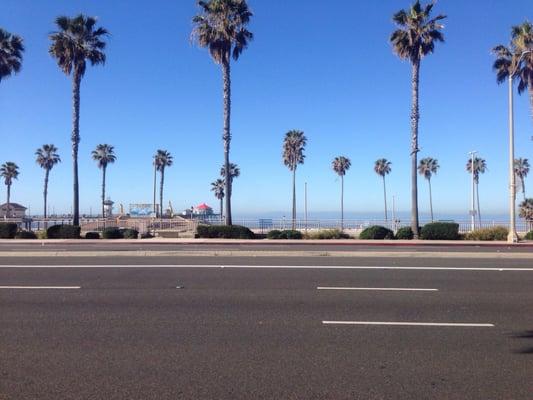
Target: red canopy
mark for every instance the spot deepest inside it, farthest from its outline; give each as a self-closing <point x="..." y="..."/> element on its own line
<point x="203" y="206"/>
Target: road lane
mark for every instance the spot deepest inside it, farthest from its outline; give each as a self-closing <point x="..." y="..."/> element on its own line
<point x="258" y="333"/>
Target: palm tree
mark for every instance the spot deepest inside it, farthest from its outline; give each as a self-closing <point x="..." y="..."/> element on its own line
<point x="233" y="172"/>
<point x="526" y="212"/>
<point x="340" y="165"/>
<point x="293" y="154"/>
<point x="427" y="168"/>
<point x="11" y="49"/>
<point x="162" y="159"/>
<point x="9" y="171"/>
<point x="382" y="167"/>
<point x="480" y="167"/>
<point x="77" y="41"/>
<point x="47" y="157"/>
<point x="416" y="38"/>
<point x="104" y="154"/>
<point x="517" y="58"/>
<point x="217" y="187"/>
<point x="221" y="28"/>
<point x="521" y="170"/>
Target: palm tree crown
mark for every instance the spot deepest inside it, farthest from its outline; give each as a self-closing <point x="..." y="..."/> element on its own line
<point x="293" y="149"/>
<point x="162" y="160"/>
<point x="417" y="33"/>
<point x="77" y="41"/>
<point x="104" y="154"/>
<point x="480" y="167"/>
<point x="221" y="28"/>
<point x="340" y="165"/>
<point x="217" y="187"/>
<point x="47" y="157"/>
<point x="11" y="49"/>
<point x="428" y="167"/>
<point x="382" y="167"/>
<point x="234" y="172"/>
<point x="9" y="171"/>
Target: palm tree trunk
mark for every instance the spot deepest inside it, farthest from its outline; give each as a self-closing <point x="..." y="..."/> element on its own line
<point x="430" y="200"/>
<point x="415" y="116"/>
<point x="385" y="198"/>
<point x="342" y="202"/>
<point x="103" y="191"/>
<point x="75" y="144"/>
<point x="221" y="209"/>
<point x="45" y="193"/>
<point x="161" y="191"/>
<point x="523" y="182"/>
<point x="8" y="211"/>
<point x="294" y="199"/>
<point x="478" y="209"/>
<point x="530" y="89"/>
<point x="226" y="136"/>
<point x="155" y="191"/>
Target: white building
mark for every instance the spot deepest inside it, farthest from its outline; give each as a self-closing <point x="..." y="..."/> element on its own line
<point x="15" y="211"/>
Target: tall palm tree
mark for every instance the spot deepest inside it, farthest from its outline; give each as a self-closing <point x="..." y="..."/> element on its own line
<point x="9" y="171"/>
<point x="427" y="168"/>
<point x="414" y="39"/>
<point x="104" y="154"/>
<point x="293" y="154"/>
<point x="217" y="187"/>
<point x="340" y="165"/>
<point x="517" y="58"/>
<point x="11" y="49"/>
<point x="480" y="167"/>
<point x="77" y="41"/>
<point x="162" y="160"/>
<point x="221" y="28"/>
<point x="47" y="158"/>
<point x="382" y="167"/>
<point x="521" y="170"/>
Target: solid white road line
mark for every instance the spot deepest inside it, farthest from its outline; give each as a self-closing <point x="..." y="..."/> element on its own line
<point x="452" y="324"/>
<point x="41" y="287"/>
<point x="378" y="289"/>
<point x="390" y="268"/>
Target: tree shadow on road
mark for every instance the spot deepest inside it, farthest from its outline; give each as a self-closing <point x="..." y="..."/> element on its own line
<point x="524" y="335"/>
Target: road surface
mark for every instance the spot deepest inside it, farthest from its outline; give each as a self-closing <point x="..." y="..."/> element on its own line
<point x="266" y="328"/>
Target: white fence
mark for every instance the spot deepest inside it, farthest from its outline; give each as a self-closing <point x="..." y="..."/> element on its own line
<point x="266" y="225"/>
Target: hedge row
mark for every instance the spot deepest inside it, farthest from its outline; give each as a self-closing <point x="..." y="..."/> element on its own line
<point x="285" y="234"/>
<point x="495" y="233"/>
<point x="224" y="232"/>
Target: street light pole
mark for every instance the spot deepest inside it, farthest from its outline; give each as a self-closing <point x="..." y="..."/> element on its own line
<point x="472" y="203"/>
<point x="512" y="237"/>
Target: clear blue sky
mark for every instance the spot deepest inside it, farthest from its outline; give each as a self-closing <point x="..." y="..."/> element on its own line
<point x="324" y="67"/>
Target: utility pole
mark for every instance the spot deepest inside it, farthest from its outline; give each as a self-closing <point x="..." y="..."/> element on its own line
<point x="473" y="202"/>
<point x="305" y="207"/>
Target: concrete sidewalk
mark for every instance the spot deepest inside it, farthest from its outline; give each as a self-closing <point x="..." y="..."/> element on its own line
<point x="255" y="242"/>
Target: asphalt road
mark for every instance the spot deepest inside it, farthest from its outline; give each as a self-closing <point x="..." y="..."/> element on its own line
<point x="30" y="245"/>
<point x="258" y="333"/>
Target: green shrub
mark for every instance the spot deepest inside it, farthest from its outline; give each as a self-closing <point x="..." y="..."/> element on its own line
<point x="63" y="232"/>
<point x="327" y="234"/>
<point x="8" y="230"/>
<point x="112" y="233"/>
<point x="529" y="236"/>
<point x="92" y="235"/>
<point x="405" y="233"/>
<point x="274" y="234"/>
<point x="147" y="235"/>
<point x="130" y="233"/>
<point x="25" y="235"/>
<point x="376" y="232"/>
<point x="290" y="234"/>
<point x="224" y="232"/>
<point x="495" y="233"/>
<point x="440" y="231"/>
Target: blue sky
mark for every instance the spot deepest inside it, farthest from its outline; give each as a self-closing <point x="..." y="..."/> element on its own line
<point x="324" y="67"/>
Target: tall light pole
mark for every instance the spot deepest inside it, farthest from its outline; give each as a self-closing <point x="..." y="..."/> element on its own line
<point x="472" y="202"/>
<point x="512" y="237"/>
<point x="305" y="208"/>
